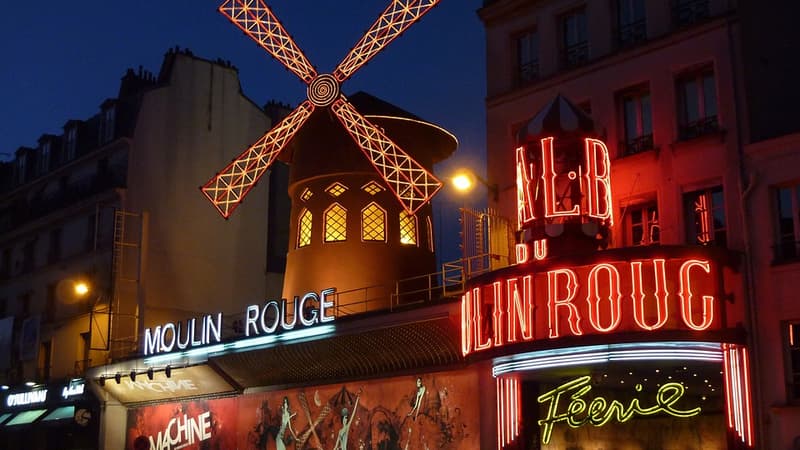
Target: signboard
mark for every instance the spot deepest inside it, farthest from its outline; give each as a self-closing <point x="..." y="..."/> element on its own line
<point x="190" y="425"/>
<point x="266" y="319"/>
<point x="52" y="394"/>
<point x="617" y="293"/>
<point x="184" y="382"/>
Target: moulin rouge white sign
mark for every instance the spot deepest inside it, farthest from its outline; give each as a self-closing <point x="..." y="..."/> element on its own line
<point x="269" y="318"/>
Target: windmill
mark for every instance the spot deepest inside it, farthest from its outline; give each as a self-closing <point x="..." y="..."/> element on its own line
<point x="411" y="183"/>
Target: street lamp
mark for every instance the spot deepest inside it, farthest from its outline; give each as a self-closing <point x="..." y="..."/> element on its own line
<point x="81" y="288"/>
<point x="464" y="180"/>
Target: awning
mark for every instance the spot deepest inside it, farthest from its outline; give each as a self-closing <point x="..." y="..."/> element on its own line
<point x="64" y="412"/>
<point x="25" y="417"/>
<point x="409" y="346"/>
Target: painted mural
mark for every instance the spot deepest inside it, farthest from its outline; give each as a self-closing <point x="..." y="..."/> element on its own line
<point x="189" y="425"/>
<point x="436" y="411"/>
<point x="417" y="412"/>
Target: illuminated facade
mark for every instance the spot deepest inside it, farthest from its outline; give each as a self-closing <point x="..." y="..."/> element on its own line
<point x="703" y="155"/>
<point x="104" y="205"/>
<point x="630" y="312"/>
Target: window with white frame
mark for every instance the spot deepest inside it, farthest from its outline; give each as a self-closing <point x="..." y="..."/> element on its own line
<point x="574" y="38"/>
<point x="632" y="24"/>
<point x="696" y="92"/>
<point x="642" y="227"/>
<point x="636" y="120"/>
<point x="527" y="45"/>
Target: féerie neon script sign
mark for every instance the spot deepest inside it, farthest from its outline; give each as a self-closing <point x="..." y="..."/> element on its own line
<point x="599" y="411"/>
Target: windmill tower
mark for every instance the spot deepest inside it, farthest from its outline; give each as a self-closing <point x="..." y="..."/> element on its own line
<point x="358" y="220"/>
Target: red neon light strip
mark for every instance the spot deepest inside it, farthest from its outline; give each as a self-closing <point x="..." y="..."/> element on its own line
<point x="498" y="384"/>
<point x="747" y="400"/>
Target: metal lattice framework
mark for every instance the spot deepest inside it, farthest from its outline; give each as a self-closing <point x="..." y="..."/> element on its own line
<point x="412" y="184"/>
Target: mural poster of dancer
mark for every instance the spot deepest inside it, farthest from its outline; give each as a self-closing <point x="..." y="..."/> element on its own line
<point x="347" y="420"/>
<point x="286" y="423"/>
<point x="416" y="406"/>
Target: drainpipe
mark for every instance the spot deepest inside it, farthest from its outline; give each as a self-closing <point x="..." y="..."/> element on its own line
<point x="748" y="272"/>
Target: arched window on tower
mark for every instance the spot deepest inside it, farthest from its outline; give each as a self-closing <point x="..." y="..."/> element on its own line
<point x="408" y="229"/>
<point x="373" y="223"/>
<point x="304" y="228"/>
<point x="335" y="223"/>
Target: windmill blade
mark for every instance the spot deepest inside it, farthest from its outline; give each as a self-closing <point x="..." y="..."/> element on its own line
<point x="412" y="184"/>
<point x="229" y="187"/>
<point x="397" y="17"/>
<point x="256" y="19"/>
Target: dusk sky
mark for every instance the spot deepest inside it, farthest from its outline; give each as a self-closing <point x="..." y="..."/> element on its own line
<point x="62" y="59"/>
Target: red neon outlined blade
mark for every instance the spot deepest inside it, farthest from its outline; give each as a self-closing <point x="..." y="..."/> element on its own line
<point x="411" y="183"/>
<point x="397" y="17"/>
<point x="228" y="188"/>
<point x="257" y="21"/>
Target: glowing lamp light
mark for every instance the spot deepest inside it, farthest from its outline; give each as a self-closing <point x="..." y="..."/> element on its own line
<point x="81" y="288"/>
<point x="30" y="383"/>
<point x="462" y="182"/>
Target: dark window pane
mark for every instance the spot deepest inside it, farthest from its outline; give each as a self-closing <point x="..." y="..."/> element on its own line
<point x="709" y="96"/>
<point x="690" y="102"/>
<point x="630" y="119"/>
<point x="647" y="119"/>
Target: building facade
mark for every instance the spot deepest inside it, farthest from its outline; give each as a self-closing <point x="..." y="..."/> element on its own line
<point x="703" y="150"/>
<point x="112" y="204"/>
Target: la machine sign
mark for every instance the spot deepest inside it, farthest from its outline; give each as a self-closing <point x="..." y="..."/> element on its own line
<point x="617" y="293"/>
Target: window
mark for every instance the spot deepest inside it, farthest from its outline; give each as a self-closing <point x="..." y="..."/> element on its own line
<point x="336" y="189"/>
<point x="304" y="228"/>
<point x="697" y="104"/>
<point x="71" y="143"/>
<point x="109" y="125"/>
<point x="793" y="362"/>
<point x="705" y="217"/>
<point x="21" y="167"/>
<point x="373" y="223"/>
<point x="642" y="224"/>
<point x="54" y="252"/>
<point x="527" y="57"/>
<point x="336" y="223"/>
<point x="28" y="256"/>
<point x="687" y="12"/>
<point x="306" y="194"/>
<point x="787" y="246"/>
<point x="575" y="46"/>
<point x="637" y="120"/>
<point x="44" y="158"/>
<point x="372" y="188"/>
<point x="408" y="229"/>
<point x="632" y="22"/>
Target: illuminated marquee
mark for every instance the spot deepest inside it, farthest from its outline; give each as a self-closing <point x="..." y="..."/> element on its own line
<point x="585" y="190"/>
<point x="309" y="310"/>
<point x="600" y="411"/>
<point x="528" y="302"/>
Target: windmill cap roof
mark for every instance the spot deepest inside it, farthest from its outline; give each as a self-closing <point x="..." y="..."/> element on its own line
<point x="558" y="117"/>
